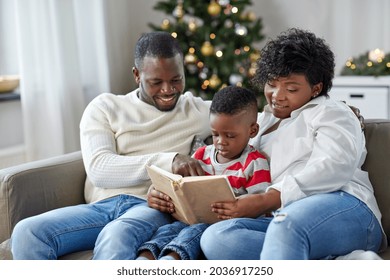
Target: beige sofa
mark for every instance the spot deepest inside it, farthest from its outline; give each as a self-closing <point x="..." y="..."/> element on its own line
<point x="36" y="187"/>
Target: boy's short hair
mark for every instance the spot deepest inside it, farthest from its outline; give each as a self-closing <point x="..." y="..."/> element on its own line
<point x="232" y="100"/>
<point x="156" y="44"/>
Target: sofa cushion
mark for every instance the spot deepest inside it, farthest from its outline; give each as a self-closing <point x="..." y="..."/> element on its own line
<point x="377" y="164"/>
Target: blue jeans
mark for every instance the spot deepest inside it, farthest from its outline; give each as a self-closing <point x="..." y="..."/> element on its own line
<point x="177" y="237"/>
<point x="114" y="228"/>
<point x="321" y="226"/>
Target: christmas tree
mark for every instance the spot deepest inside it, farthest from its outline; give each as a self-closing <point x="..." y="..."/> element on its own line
<point x="217" y="39"/>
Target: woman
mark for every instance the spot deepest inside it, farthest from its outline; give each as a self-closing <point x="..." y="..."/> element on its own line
<point x="323" y="203"/>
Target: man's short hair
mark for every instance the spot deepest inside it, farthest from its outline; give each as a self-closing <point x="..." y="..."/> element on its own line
<point x="156" y="44"/>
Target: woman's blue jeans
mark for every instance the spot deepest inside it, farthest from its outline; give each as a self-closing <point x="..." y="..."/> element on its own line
<point x="321" y="226"/>
<point x="114" y="228"/>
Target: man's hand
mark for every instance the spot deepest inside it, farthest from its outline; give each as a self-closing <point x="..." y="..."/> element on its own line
<point x="186" y="166"/>
<point x="356" y="111"/>
<point x="160" y="201"/>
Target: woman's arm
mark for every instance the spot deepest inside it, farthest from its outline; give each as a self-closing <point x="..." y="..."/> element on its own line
<point x="325" y="159"/>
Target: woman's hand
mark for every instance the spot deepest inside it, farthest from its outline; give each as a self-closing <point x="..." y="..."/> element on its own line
<point x="249" y="206"/>
<point x="186" y="166"/>
<point x="160" y="201"/>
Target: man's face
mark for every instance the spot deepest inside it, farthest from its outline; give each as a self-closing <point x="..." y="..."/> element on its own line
<point x="161" y="81"/>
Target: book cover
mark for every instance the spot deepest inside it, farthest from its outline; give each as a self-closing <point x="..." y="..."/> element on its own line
<point x="193" y="195"/>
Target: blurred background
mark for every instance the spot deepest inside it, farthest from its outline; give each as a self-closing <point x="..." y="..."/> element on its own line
<point x="66" y="52"/>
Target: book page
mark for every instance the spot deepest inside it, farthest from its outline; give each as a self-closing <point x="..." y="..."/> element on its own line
<point x="201" y="192"/>
<point x="163" y="182"/>
<point x="173" y="177"/>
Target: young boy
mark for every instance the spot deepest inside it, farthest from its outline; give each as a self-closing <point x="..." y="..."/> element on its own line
<point x="233" y="121"/>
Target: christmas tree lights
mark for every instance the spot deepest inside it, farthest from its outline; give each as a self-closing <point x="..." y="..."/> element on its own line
<point x="372" y="63"/>
<point x="217" y="38"/>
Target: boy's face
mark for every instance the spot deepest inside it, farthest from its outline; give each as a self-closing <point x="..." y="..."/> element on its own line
<point x="161" y="81"/>
<point x="231" y="134"/>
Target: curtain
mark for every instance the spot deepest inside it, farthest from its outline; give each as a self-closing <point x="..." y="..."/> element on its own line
<point x="63" y="63"/>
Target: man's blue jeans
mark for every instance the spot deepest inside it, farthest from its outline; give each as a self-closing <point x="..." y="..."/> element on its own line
<point x="114" y="228"/>
<point x="321" y="226"/>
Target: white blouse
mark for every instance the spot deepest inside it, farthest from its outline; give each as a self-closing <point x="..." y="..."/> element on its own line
<point x="319" y="149"/>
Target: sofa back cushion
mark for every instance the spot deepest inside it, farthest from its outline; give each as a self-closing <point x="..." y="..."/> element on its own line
<point x="377" y="164"/>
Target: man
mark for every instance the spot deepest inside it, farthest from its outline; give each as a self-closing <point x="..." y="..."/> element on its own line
<point x="120" y="135"/>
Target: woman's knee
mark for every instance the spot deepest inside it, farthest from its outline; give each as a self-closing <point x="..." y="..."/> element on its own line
<point x="215" y="237"/>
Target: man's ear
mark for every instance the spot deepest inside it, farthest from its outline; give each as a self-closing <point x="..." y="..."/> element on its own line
<point x="254" y="130"/>
<point x="136" y="75"/>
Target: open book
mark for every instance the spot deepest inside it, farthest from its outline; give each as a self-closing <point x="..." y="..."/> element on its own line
<point x="193" y="195"/>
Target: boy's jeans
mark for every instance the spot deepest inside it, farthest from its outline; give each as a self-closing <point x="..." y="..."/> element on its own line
<point x="114" y="228"/>
<point x="178" y="237"/>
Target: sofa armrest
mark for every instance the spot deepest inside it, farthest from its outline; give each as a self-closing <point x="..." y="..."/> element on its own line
<point x="32" y="188"/>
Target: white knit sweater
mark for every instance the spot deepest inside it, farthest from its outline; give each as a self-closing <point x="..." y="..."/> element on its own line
<point x="120" y="135"/>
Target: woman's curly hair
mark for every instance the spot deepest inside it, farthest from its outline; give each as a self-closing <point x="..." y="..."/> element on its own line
<point x="296" y="51"/>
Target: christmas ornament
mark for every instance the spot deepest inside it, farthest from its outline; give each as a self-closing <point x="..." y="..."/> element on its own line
<point x="165" y="24"/>
<point x="252" y="69"/>
<point x="207" y="49"/>
<point x="235" y="79"/>
<point x="190" y="58"/>
<point x="214" y="8"/>
<point x="179" y="11"/>
<point x="192" y="25"/>
<point x="224" y="2"/>
<point x="228" y="23"/>
<point x="215" y="81"/>
<point x="254" y="56"/>
<point x="376" y="55"/>
<point x="251" y="16"/>
<point x="192" y="69"/>
<point x="240" y="29"/>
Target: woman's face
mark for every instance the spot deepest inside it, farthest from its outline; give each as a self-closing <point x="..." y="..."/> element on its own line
<point x="286" y="94"/>
<point x="161" y="81"/>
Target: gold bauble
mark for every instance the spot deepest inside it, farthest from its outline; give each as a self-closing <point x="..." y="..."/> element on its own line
<point x="207" y="49"/>
<point x="165" y="24"/>
<point x="214" y="8"/>
<point x="251" y="16"/>
<point x="190" y="58"/>
<point x="192" y="26"/>
<point x="252" y="71"/>
<point x="178" y="12"/>
<point x="254" y="56"/>
<point x="214" y="81"/>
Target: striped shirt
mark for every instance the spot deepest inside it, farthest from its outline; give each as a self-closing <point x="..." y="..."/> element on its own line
<point x="247" y="174"/>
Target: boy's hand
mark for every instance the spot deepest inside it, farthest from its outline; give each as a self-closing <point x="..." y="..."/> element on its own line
<point x="160" y="201"/>
<point x="186" y="166"/>
<point x="231" y="209"/>
<point x="249" y="205"/>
